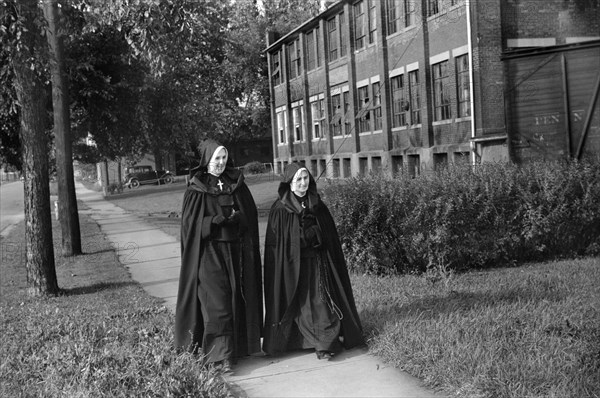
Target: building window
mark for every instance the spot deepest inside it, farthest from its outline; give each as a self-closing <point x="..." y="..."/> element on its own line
<point x="441" y="91"/>
<point x="400" y="14"/>
<point x="409" y="13"/>
<point x="322" y="168"/>
<point x="295" y="59"/>
<point x="376" y="165"/>
<point x="393" y="15"/>
<point x="298" y="114"/>
<point x="414" y="165"/>
<point x="317" y="47"/>
<point x="276" y="69"/>
<point x="397" y="165"/>
<point x="463" y="86"/>
<point x="346" y="167"/>
<point x="313" y="168"/>
<point x="433" y="7"/>
<point x="440" y="161"/>
<point x="310" y="50"/>
<point x="318" y="114"/>
<point x="372" y="21"/>
<point x="336" y="168"/>
<point x="400" y="104"/>
<point x="359" y="25"/>
<point x="363" y="166"/>
<point x="363" y="114"/>
<point x="377" y="106"/>
<point x="415" y="96"/>
<point x="336" y="120"/>
<point x="342" y="35"/>
<point x="346" y="97"/>
<point x="281" y="127"/>
<point x="332" y="39"/>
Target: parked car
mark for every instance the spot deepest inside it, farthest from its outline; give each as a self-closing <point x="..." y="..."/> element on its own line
<point x="139" y="175"/>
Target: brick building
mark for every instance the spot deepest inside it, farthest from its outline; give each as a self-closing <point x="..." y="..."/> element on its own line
<point x="384" y="85"/>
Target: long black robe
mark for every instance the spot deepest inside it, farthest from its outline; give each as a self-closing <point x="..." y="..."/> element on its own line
<point x="244" y="271"/>
<point x="283" y="272"/>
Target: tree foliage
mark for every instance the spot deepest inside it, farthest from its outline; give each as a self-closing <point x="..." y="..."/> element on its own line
<point x="156" y="75"/>
<point x="245" y="83"/>
<point x="106" y="88"/>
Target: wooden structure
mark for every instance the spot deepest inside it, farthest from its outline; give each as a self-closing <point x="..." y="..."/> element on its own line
<point x="552" y="109"/>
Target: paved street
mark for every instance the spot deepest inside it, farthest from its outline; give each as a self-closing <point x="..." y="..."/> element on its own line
<point x="11" y="205"/>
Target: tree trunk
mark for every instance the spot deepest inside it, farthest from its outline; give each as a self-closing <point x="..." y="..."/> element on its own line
<point x="105" y="181"/>
<point x="67" y="200"/>
<point x="119" y="174"/>
<point x="158" y="159"/>
<point x="41" y="272"/>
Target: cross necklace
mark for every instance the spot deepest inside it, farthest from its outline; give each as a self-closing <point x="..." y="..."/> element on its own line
<point x="220" y="184"/>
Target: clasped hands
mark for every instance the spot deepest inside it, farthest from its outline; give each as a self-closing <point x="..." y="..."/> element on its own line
<point x="233" y="219"/>
<point x="311" y="230"/>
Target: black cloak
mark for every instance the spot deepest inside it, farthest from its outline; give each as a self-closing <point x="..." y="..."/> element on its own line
<point x="246" y="287"/>
<point x="282" y="268"/>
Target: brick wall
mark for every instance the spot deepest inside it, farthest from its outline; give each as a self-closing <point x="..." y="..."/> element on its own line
<point x="557" y="19"/>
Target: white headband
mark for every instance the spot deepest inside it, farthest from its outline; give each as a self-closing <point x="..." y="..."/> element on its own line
<point x="298" y="173"/>
<point x="214" y="155"/>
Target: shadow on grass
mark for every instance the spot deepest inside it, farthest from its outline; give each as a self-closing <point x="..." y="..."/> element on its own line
<point x="95" y="288"/>
<point x="431" y="307"/>
<point x="147" y="190"/>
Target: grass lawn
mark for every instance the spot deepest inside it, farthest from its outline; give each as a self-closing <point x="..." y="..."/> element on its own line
<point x="102" y="337"/>
<point x="531" y="331"/>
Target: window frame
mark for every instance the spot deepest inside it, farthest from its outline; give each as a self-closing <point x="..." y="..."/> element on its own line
<point x="414" y="94"/>
<point x="364" y="122"/>
<point x="298" y="123"/>
<point x="441" y="91"/>
<point x="433" y="7"/>
<point x="336" y="125"/>
<point x="317" y="46"/>
<point x="332" y="39"/>
<point x="376" y="107"/>
<point x="317" y="116"/>
<point x="372" y="21"/>
<point x="311" y="63"/>
<point x="295" y="57"/>
<point x="342" y="34"/>
<point x="463" y="86"/>
<point x="392" y="11"/>
<point x="346" y="100"/>
<point x="359" y="21"/>
<point x="409" y="13"/>
<point x="400" y="105"/>
<point x="276" y="73"/>
<point x="281" y="127"/>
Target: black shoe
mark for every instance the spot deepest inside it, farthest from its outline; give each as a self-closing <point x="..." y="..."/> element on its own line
<point x="324" y="355"/>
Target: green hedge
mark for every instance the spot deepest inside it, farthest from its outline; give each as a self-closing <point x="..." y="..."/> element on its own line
<point x="465" y="217"/>
<point x="254" y="168"/>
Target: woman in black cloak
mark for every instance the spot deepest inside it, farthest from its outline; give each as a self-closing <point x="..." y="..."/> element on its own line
<point x="308" y="296"/>
<point x="219" y="302"/>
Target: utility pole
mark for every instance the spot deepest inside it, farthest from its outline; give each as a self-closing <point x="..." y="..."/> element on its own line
<point x="67" y="200"/>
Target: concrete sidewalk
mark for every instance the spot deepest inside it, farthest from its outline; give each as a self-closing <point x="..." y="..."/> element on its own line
<point x="153" y="259"/>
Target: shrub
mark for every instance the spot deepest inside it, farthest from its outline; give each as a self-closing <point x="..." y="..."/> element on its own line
<point x="464" y="217"/>
<point x="114" y="188"/>
<point x="254" y="168"/>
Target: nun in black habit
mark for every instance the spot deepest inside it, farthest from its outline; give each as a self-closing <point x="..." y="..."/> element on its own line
<point x="219" y="302"/>
<point x="308" y="296"/>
